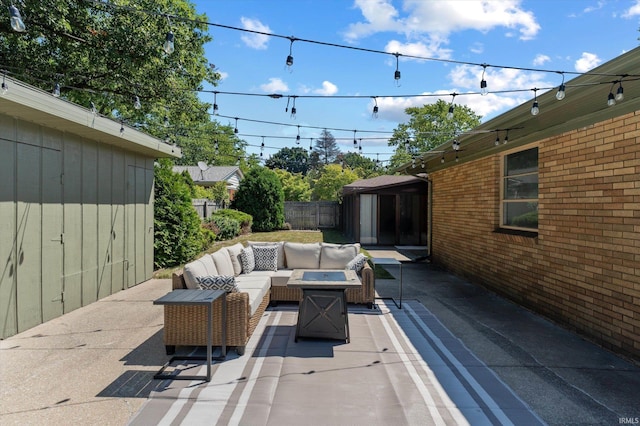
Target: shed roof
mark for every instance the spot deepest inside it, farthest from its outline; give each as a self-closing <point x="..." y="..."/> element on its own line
<point x="31" y="104"/>
<point x="210" y="175"/>
<point x="379" y="182"/>
<point x="585" y="104"/>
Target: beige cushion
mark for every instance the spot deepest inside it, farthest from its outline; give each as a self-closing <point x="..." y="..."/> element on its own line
<point x="281" y="278"/>
<point x="223" y="263"/>
<point x="281" y="254"/>
<point x="202" y="267"/>
<point x="302" y="255"/>
<point x="234" y="254"/>
<point x="337" y="256"/>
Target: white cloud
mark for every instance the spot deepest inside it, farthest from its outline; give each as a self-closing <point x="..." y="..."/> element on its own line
<point x="328" y="89"/>
<point x="541" y="59"/>
<point x="255" y="41"/>
<point x="430" y="50"/>
<point x="632" y="11"/>
<point x="587" y="62"/>
<point x="275" y="85"/>
<point x="438" y="19"/>
<point x="477" y="48"/>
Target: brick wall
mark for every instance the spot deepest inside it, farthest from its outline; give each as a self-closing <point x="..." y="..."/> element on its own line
<point x="583" y="268"/>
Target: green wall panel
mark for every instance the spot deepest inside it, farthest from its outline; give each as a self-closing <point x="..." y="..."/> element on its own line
<point x="8" y="316"/>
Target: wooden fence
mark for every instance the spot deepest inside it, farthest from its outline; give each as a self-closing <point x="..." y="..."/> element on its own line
<point x="204" y="207"/>
<point x="300" y="215"/>
<point x="312" y="215"/>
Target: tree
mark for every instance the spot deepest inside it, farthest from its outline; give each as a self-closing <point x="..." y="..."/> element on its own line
<point x="110" y="55"/>
<point x="326" y="148"/>
<point x="260" y="194"/>
<point x="429" y="127"/>
<point x="295" y="186"/>
<point x="178" y="235"/>
<point x="329" y="185"/>
<point x="293" y="160"/>
<point x="364" y="167"/>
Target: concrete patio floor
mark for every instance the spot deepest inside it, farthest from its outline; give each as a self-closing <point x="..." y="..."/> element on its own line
<point x="95" y="365"/>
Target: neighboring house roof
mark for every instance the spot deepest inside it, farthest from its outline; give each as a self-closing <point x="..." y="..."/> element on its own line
<point x="379" y="182"/>
<point x="585" y="104"/>
<point x="230" y="174"/>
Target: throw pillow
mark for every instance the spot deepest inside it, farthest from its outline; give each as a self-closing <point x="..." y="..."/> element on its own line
<point x="248" y="260"/>
<point x="357" y="263"/>
<point x="266" y="257"/>
<point x="218" y="282"/>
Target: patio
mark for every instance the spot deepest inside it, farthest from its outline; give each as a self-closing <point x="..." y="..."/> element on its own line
<point x="95" y="366"/>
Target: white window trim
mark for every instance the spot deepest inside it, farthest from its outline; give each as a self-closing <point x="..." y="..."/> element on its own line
<point x="503" y="156"/>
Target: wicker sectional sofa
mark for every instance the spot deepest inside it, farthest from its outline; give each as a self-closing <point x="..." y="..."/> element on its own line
<point x="186" y="325"/>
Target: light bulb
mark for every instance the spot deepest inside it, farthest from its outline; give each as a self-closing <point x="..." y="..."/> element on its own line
<point x="56" y="90"/>
<point x="168" y="46"/>
<point x="535" y="110"/>
<point x="215" y="109"/>
<point x="497" y="142"/>
<point x="560" y="94"/>
<point x="289" y="60"/>
<point x="5" y="88"/>
<point x="483" y="87"/>
<point x="620" y="94"/>
<point x="611" y="100"/>
<point x="450" y="113"/>
<point x="16" y="20"/>
<point x="136" y="103"/>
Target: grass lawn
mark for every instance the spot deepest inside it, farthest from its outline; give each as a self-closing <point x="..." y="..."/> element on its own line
<point x="327" y="236"/>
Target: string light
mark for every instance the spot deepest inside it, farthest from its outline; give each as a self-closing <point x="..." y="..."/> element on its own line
<point x="215" y="104"/>
<point x="497" y="142"/>
<point x="16" y="19"/>
<point x="450" y="113"/>
<point x="535" y="110"/>
<point x="235" y="130"/>
<point x="396" y="75"/>
<point x="56" y="90"/>
<point x="620" y="92"/>
<point x="136" y="102"/>
<point x="483" y="82"/>
<point x="169" y="46"/>
<point x="298" y="136"/>
<point x="5" y="86"/>
<point x="506" y="138"/>
<point x="121" y="128"/>
<point x="94" y="110"/>
<point x="293" y="107"/>
<point x="289" y="61"/>
<point x="355" y="142"/>
<point x="375" y="108"/>
<point x="611" y="99"/>
<point x="561" y="90"/>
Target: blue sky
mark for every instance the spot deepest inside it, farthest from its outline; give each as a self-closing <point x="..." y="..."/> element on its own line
<point x="557" y="35"/>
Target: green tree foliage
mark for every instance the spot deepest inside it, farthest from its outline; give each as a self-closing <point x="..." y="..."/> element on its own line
<point x="294" y="185"/>
<point x="326" y="148"/>
<point x="178" y="233"/>
<point x="293" y="160"/>
<point x="106" y="55"/>
<point x="329" y="185"/>
<point x="260" y="194"/>
<point x="429" y="127"/>
<point x="364" y="167"/>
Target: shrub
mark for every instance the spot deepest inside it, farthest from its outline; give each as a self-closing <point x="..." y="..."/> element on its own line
<point x="178" y="236"/>
<point x="260" y="194"/>
<point x="224" y="227"/>
<point x="243" y="218"/>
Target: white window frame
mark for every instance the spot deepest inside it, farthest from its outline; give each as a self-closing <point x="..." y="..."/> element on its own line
<point x="503" y="176"/>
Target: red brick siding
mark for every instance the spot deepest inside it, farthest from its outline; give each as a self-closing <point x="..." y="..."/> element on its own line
<point x="583" y="269"/>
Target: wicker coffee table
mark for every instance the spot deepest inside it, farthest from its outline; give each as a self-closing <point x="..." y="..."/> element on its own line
<point x="322" y="313"/>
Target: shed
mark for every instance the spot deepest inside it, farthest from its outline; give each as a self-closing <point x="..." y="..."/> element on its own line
<point x="209" y="175"/>
<point x="76" y="203"/>
<point x="386" y="210"/>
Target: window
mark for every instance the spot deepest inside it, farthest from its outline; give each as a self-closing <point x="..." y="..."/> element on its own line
<point x="519" y="200"/>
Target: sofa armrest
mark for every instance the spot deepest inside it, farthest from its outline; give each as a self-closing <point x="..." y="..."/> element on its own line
<point x="177" y="280"/>
<point x="368" y="278"/>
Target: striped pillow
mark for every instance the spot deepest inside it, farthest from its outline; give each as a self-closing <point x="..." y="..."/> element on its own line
<point x="218" y="282"/>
